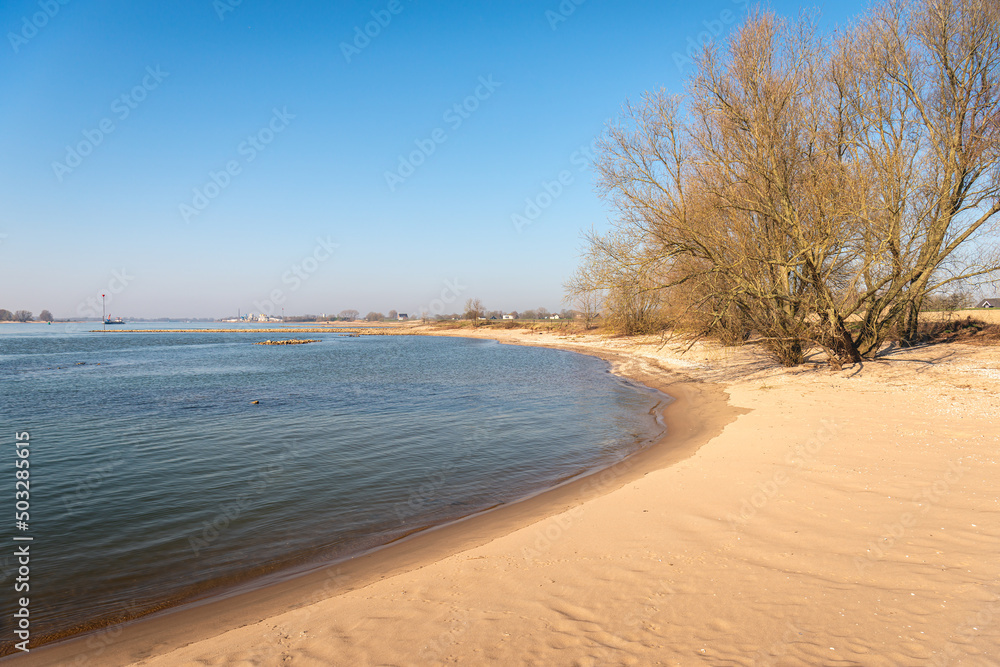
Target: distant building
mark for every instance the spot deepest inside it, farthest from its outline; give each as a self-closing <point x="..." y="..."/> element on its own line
<point x="402" y="316"/>
<point x="509" y="316"/>
<point x="554" y="316"/>
<point x="989" y="303"/>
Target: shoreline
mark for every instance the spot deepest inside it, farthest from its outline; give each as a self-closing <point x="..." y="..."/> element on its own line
<point x="255" y="600"/>
<point x="846" y="517"/>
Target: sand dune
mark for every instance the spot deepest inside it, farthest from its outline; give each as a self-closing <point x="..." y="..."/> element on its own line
<point x="830" y="518"/>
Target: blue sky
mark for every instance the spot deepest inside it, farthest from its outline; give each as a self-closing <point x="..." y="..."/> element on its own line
<point x="195" y="157"/>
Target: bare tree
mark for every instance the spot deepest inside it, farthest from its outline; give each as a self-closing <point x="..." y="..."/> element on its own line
<point x="45" y="316"/>
<point x="474" y="310"/>
<point x="348" y="314"/>
<point x="393" y="314"/>
<point x="814" y="190"/>
<point x="957" y="300"/>
<point x="374" y="317"/>
<point x="584" y="290"/>
<point x="617" y="277"/>
<point x="936" y="66"/>
<point x="23" y="316"/>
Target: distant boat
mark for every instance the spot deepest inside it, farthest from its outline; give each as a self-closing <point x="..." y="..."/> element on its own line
<point x="114" y="320"/>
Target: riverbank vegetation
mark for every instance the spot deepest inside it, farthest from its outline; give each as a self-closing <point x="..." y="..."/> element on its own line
<point x="808" y="189"/>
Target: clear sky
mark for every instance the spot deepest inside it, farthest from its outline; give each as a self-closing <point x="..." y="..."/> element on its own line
<point x="189" y="158"/>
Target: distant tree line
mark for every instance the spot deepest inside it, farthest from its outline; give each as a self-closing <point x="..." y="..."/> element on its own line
<point x="347" y="315"/>
<point x="23" y="316"/>
<point x="474" y="311"/>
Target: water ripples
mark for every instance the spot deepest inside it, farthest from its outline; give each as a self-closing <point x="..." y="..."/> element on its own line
<point x="155" y="478"/>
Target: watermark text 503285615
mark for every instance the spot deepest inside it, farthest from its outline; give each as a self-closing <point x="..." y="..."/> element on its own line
<point x="22" y="548"/>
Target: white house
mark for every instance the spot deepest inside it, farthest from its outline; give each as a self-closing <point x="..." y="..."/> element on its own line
<point x="508" y="316"/>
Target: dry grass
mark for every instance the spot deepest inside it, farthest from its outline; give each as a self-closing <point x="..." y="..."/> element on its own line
<point x="961" y="330"/>
<point x="977" y="326"/>
<point x="988" y="315"/>
<point x="557" y="326"/>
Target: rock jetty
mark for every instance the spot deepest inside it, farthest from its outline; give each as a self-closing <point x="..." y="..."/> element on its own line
<point x="293" y="341"/>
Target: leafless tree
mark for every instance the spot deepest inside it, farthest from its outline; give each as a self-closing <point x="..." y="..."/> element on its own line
<point x="926" y="90"/>
<point x="813" y="188"/>
<point x="474" y="310"/>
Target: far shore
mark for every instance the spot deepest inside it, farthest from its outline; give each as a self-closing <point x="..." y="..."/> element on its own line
<point x="790" y="516"/>
<point x="989" y="315"/>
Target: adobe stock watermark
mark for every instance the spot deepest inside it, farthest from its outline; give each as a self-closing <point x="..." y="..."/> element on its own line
<point x="101" y="640"/>
<point x="31" y="25"/>
<point x="297" y="274"/>
<point x="550" y="191"/>
<point x="967" y="631"/>
<point x="247" y="150"/>
<point x="363" y="36"/>
<point x="923" y="502"/>
<point x="771" y="655"/>
<point x="94" y="306"/>
<point x="454" y="116"/>
<point x="634" y="623"/>
<point x="429" y="490"/>
<point x="450" y="293"/>
<point x="229" y="512"/>
<point x="713" y="29"/>
<point x="800" y="457"/>
<point x="556" y="527"/>
<point x="94" y="480"/>
<point x="223" y="7"/>
<point x="550" y="533"/>
<point x="335" y="581"/>
<point x="122" y="107"/>
<point x="562" y="13"/>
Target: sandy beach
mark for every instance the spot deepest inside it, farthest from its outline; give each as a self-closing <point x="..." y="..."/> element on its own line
<point x="792" y="517"/>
